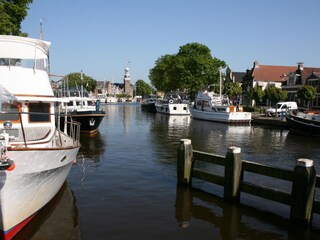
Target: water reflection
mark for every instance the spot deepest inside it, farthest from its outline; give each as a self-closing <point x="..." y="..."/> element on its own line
<point x="234" y="221"/>
<point x="92" y="147"/>
<point x="57" y="220"/>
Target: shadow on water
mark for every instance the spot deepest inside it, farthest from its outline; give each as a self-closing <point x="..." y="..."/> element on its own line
<point x="235" y="221"/>
<point x="57" y="220"/>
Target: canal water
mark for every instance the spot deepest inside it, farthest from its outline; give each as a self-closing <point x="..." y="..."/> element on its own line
<point x="124" y="184"/>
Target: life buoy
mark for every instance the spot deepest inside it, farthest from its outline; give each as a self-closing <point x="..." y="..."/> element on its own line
<point x="170" y="101"/>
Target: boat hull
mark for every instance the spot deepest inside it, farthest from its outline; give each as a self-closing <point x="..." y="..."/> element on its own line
<point x="224" y="117"/>
<point x="303" y="125"/>
<point x="89" y="120"/>
<point x="173" y="108"/>
<point x="38" y="176"/>
<point x="148" y="107"/>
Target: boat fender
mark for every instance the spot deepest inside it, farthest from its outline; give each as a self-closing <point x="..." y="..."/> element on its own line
<point x="11" y="165"/>
<point x="5" y="162"/>
<point x="170" y="101"/>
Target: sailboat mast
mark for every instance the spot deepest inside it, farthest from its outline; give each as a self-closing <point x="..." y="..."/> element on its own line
<point x="220" y="83"/>
<point x="81" y="77"/>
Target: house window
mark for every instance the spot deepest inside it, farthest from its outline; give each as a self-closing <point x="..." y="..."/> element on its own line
<point x="313" y="82"/>
<point x="39" y="112"/>
<point x="291" y="80"/>
<point x="291" y="96"/>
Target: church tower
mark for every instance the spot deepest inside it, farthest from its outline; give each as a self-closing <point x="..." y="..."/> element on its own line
<point x="127" y="82"/>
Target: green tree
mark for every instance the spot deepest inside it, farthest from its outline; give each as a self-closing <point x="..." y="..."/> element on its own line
<point x="192" y="68"/>
<point x="256" y="93"/>
<point x="74" y="79"/>
<point x="275" y="94"/>
<point x="307" y="93"/>
<point x="161" y="75"/>
<point x="12" y="13"/>
<point x="232" y="89"/>
<point x="143" y="88"/>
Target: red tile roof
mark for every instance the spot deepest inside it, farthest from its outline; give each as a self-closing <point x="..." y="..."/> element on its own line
<point x="307" y="71"/>
<point x="272" y="73"/>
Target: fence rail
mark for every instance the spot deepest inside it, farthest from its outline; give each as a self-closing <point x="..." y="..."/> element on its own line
<point x="303" y="177"/>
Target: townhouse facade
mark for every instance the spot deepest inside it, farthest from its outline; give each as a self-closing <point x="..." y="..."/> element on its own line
<point x="288" y="78"/>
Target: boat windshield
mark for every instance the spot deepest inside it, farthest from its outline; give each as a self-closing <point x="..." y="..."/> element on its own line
<point x="40" y="64"/>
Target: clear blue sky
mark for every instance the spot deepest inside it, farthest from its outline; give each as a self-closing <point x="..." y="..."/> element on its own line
<point x="100" y="36"/>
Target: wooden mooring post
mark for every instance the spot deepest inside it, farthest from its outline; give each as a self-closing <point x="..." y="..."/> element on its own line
<point x="303" y="191"/>
<point x="303" y="177"/>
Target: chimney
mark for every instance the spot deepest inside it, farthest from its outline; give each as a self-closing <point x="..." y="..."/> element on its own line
<point x="300" y="65"/>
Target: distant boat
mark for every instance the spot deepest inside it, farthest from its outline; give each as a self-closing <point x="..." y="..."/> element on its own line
<point x="173" y="104"/>
<point x="36" y="156"/>
<point x="111" y="99"/>
<point x="148" y="104"/>
<point x="305" y="122"/>
<point x="213" y="107"/>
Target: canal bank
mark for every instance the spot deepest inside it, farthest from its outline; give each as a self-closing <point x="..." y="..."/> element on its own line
<point x="261" y="119"/>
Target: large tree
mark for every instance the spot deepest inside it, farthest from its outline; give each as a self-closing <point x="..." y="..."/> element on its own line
<point x="143" y="88"/>
<point x="12" y="13"/>
<point x="74" y="79"/>
<point x="192" y="68"/>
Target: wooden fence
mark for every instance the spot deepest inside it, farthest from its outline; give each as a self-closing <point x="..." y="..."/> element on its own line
<point x="303" y="177"/>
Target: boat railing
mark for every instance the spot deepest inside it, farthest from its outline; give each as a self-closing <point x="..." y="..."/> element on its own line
<point x="27" y="134"/>
<point x="70" y="127"/>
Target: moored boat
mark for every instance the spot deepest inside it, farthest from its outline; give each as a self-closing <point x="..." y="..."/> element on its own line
<point x="172" y="104"/>
<point x="148" y="104"/>
<point x="36" y="156"/>
<point x="305" y="122"/>
<point x="84" y="110"/>
<point x="213" y="107"/>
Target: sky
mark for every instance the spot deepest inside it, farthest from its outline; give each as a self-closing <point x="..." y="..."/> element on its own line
<point x="102" y="37"/>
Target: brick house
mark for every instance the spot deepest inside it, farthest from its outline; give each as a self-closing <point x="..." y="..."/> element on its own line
<point x="289" y="78"/>
<point x="264" y="76"/>
<point x="302" y="76"/>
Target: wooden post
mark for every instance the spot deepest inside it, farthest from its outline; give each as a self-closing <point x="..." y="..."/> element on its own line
<point x="184" y="162"/>
<point x="303" y="191"/>
<point x="232" y="175"/>
<point x="183" y="206"/>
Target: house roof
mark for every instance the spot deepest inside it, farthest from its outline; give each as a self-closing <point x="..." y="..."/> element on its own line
<point x="271" y="73"/>
<point x="309" y="71"/>
<point x="238" y="76"/>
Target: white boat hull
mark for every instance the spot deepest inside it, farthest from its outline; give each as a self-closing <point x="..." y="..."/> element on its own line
<point x="225" y="117"/>
<point x="36" y="179"/>
<point x="173" y="108"/>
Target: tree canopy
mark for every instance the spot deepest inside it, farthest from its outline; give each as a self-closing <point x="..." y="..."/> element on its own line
<point x="143" y="88"/>
<point x="12" y="13"/>
<point x="275" y="94"/>
<point x="256" y="93"/>
<point x="74" y="79"/>
<point x="307" y="93"/>
<point x="192" y="68"/>
<point x="232" y="89"/>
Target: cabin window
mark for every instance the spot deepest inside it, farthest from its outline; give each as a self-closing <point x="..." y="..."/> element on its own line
<point x="70" y="103"/>
<point x="39" y="112"/>
<point x="9" y="111"/>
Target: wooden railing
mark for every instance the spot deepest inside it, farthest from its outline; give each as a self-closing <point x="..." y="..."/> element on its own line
<point x="303" y="177"/>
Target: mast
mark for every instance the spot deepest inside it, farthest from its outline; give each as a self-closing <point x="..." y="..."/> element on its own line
<point x="81" y="77"/>
<point x="220" y="83"/>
